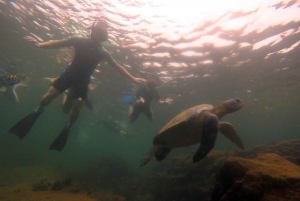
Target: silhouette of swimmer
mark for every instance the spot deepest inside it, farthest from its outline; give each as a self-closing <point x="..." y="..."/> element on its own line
<point x="110" y="124"/>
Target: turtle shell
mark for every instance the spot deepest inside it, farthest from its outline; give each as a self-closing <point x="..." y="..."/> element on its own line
<point x="186" y="115"/>
<point x="184" y="129"/>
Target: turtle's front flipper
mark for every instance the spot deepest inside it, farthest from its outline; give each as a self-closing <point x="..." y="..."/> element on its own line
<point x="209" y="135"/>
<point x="228" y="131"/>
<point x="147" y="157"/>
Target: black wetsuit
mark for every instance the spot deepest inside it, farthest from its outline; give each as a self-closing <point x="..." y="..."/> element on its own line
<point x="144" y="107"/>
<point x="77" y="75"/>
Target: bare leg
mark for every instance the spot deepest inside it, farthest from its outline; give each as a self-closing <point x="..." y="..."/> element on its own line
<point x="77" y="105"/>
<point x="127" y="129"/>
<point x="67" y="102"/>
<point x="130" y="110"/>
<point x="64" y="98"/>
<point x="22" y="128"/>
<point x="47" y="98"/>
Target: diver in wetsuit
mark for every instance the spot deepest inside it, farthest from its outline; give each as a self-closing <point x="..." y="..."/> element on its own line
<point x="88" y="53"/>
<point x="144" y="96"/>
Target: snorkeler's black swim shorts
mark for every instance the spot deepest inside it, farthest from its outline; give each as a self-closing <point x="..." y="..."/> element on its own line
<point x="79" y="85"/>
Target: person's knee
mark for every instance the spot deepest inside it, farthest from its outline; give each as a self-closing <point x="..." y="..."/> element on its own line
<point x="77" y="105"/>
<point x="51" y="94"/>
<point x="48" y="97"/>
<point x="67" y="106"/>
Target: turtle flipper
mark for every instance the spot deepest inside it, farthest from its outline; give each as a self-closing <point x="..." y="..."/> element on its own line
<point x="229" y="132"/>
<point x="209" y="135"/>
<point x="147" y="157"/>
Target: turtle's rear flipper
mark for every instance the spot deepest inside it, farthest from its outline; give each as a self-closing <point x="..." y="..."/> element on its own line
<point x="59" y="143"/>
<point x="209" y="135"/>
<point x="229" y="132"/>
<point x="147" y="157"/>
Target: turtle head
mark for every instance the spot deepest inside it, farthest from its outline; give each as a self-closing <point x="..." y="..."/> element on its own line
<point x="229" y="106"/>
<point x="233" y="105"/>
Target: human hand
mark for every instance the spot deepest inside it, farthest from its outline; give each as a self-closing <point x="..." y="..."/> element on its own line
<point x="32" y="40"/>
<point x="140" y="100"/>
<point x="139" y="80"/>
<point x="169" y="100"/>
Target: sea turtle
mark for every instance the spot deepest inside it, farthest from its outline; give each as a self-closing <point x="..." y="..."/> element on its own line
<point x="194" y="125"/>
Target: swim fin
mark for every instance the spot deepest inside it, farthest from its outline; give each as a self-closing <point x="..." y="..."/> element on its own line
<point x="22" y="128"/>
<point x="61" y="140"/>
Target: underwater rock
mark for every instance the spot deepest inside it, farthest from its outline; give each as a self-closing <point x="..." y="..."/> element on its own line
<point x="42" y="185"/>
<point x="59" y="185"/>
<point x="176" y="178"/>
<point x="288" y="149"/>
<point x="264" y="177"/>
<point x="181" y="179"/>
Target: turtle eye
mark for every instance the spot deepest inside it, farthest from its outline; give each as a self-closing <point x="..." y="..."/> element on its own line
<point x="234" y="105"/>
<point x="239" y="102"/>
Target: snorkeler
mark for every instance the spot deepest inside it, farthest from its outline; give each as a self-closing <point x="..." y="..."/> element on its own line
<point x="88" y="53"/>
<point x="144" y="96"/>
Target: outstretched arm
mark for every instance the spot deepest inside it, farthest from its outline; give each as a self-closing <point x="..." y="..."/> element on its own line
<point x="53" y="43"/>
<point x="48" y="44"/>
<point x="121" y="69"/>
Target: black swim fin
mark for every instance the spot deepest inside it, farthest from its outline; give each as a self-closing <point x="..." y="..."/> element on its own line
<point x="61" y="140"/>
<point x="22" y="128"/>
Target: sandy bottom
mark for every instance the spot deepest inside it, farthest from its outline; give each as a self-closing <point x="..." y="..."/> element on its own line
<point x="17" y="185"/>
<point x="23" y="192"/>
